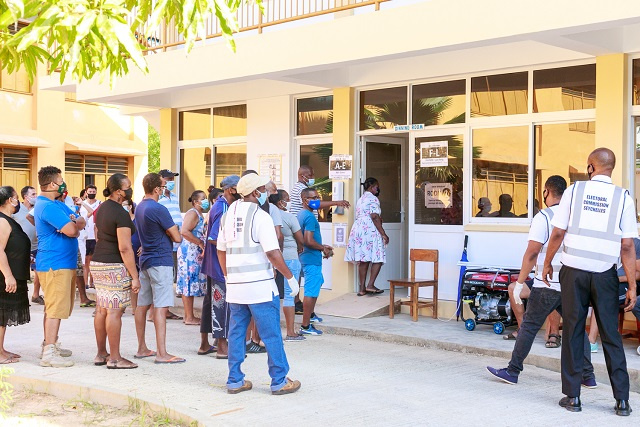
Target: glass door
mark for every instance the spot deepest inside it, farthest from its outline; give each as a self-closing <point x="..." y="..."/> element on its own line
<point x="384" y="158"/>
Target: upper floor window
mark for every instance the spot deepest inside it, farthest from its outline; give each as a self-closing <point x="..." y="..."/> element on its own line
<point x="567" y="88"/>
<point x="383" y="108"/>
<point x="218" y="122"/>
<point x="314" y="115"/>
<point x="499" y="95"/>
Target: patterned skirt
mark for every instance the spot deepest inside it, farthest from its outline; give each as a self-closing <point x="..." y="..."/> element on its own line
<point x="113" y="284"/>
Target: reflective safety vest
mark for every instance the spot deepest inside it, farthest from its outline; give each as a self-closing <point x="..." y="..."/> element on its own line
<point x="246" y="260"/>
<point x="548" y="215"/>
<point x="594" y="233"/>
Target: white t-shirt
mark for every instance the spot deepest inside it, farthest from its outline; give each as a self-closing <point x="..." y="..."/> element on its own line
<point x="597" y="220"/>
<point x="91" y="231"/>
<point x="540" y="232"/>
<point x="263" y="233"/>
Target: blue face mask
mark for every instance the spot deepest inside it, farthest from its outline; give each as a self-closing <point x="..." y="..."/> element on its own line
<point x="205" y="205"/>
<point x="171" y="185"/>
<point x="262" y="199"/>
<point x="314" y="204"/>
<point x="310" y="182"/>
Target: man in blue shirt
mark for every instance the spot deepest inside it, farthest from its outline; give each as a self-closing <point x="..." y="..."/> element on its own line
<point x="169" y="200"/>
<point x="157" y="231"/>
<point x="215" y="310"/>
<point x="57" y="228"/>
<point x="311" y="257"/>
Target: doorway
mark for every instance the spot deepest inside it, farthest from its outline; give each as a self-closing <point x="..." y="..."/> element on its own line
<point x="385" y="158"/>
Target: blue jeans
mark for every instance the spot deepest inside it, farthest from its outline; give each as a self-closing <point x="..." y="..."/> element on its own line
<point x="267" y="317"/>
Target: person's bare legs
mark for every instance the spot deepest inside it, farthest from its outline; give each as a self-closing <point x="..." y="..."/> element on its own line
<point x="36" y="286"/>
<point x="308" y="304"/>
<point x="363" y="267"/>
<point x="160" y="324"/>
<point x="51" y="329"/>
<point x="375" y="270"/>
<point x="151" y="313"/>
<point x="204" y="343"/>
<point x="593" y="328"/>
<point x="141" y="325"/>
<point x="82" y="289"/>
<point x="114" y="328"/>
<point x="100" y="327"/>
<point x="518" y="309"/>
<point x="189" y="316"/>
<point x="252" y="332"/>
<point x="289" y="317"/>
<point x="4" y="354"/>
<point x="223" y="347"/>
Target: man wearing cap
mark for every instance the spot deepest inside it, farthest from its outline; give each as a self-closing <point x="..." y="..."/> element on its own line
<point x="215" y="310"/>
<point x="169" y="200"/>
<point x="248" y="250"/>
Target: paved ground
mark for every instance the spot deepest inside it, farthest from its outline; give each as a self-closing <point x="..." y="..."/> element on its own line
<point x="345" y="380"/>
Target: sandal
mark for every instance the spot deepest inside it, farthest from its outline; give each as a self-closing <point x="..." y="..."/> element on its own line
<point x="361" y="294"/>
<point x="510" y="337"/>
<point x="89" y="303"/>
<point x="374" y="291"/>
<point x="172" y="316"/>
<point x="115" y="364"/>
<point x="557" y="342"/>
<point x="101" y="360"/>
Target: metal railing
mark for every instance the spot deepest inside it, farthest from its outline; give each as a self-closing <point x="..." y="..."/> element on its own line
<point x="250" y="19"/>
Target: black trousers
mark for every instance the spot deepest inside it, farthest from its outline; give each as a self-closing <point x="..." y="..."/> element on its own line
<point x="541" y="303"/>
<point x="579" y="288"/>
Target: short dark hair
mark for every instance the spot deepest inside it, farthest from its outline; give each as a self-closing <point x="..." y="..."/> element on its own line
<point x="150" y="182"/>
<point x="248" y="171"/>
<point x="556" y="184"/>
<point x="25" y="190"/>
<point x="213" y="194"/>
<point x="305" y="192"/>
<point x="92" y="186"/>
<point x="47" y="174"/>
<point x="114" y="183"/>
<point x="6" y="192"/>
<point x="369" y="182"/>
<point x="83" y="192"/>
<point x="276" y="197"/>
<point x="194" y="195"/>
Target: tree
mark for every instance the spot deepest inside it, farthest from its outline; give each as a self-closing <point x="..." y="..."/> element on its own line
<point x="153" y="150"/>
<point x="87" y="38"/>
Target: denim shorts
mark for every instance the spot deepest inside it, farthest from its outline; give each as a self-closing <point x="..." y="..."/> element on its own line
<point x="156" y="287"/>
<point x="294" y="266"/>
<point x="313" y="280"/>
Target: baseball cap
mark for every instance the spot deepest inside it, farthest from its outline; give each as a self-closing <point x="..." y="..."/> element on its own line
<point x="229" y="181"/>
<point x="250" y="182"/>
<point x="166" y="173"/>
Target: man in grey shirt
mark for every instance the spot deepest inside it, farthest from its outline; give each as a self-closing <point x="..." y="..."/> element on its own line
<point x="28" y="194"/>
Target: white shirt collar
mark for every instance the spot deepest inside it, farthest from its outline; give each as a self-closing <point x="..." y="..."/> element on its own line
<point x="602" y="178"/>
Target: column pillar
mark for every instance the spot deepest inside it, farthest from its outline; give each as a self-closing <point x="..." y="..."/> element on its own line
<point x="344" y="142"/>
<point x="169" y="139"/>
<point x="612" y="114"/>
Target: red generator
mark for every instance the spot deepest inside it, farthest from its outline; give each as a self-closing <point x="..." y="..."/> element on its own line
<point x="486" y="292"/>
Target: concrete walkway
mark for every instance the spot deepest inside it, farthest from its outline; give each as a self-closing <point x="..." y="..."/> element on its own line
<point x="345" y="379"/>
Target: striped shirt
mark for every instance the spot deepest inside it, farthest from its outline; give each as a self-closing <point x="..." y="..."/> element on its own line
<point x="296" y="200"/>
<point x="173" y="206"/>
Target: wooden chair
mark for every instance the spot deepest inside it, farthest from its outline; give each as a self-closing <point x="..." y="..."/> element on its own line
<point x="413" y="284"/>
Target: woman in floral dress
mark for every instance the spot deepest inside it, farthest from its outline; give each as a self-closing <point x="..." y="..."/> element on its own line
<point x="191" y="282"/>
<point x="368" y="241"/>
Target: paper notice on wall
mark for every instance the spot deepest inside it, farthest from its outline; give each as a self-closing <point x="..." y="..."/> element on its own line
<point x="433" y="154"/>
<point x="271" y="166"/>
<point x="340" y="166"/>
<point x="339" y="235"/>
<point x="437" y="195"/>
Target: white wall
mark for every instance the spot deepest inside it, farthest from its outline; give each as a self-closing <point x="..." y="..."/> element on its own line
<point x="269" y="132"/>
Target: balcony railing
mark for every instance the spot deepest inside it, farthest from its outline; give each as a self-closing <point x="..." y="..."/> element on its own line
<point x="249" y="18"/>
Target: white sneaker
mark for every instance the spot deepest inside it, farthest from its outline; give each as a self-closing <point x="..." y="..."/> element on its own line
<point x="64" y="352"/>
<point x="52" y="358"/>
<point x="638" y="350"/>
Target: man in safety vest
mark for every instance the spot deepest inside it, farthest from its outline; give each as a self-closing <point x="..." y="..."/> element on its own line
<point x="248" y="249"/>
<point x="543" y="299"/>
<point x="597" y="221"/>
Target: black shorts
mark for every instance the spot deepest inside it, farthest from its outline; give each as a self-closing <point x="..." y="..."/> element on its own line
<point x="91" y="247"/>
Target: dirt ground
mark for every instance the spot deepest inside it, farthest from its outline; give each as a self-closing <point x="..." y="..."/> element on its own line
<point x="38" y="409"/>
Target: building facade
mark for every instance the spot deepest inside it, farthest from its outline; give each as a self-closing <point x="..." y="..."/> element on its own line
<point x="87" y="141"/>
<point x="460" y="109"/>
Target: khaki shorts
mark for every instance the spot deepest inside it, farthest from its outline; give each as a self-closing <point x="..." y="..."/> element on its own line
<point x="59" y="287"/>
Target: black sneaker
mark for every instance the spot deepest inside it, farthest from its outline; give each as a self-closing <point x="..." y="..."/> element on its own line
<point x="255" y="348"/>
<point x="299" y="309"/>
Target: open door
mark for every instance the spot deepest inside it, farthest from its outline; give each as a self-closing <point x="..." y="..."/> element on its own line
<point x="384" y="158"/>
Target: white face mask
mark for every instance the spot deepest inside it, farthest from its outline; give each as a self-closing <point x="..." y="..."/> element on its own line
<point x="287" y="205"/>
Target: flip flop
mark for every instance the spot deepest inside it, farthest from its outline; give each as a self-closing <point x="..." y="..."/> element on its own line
<point x="173" y="316"/>
<point x="9" y="360"/>
<point x="114" y="365"/>
<point x="510" y="337"/>
<point x="89" y="303"/>
<point x="361" y="294"/>
<point x="103" y="362"/>
<point x="375" y="292"/>
<point x="174" y="359"/>
<point x="212" y="349"/>
<point x="152" y="353"/>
